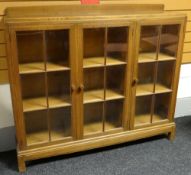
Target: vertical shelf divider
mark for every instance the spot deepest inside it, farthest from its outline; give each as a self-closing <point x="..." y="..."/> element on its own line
<point x="46" y="82"/>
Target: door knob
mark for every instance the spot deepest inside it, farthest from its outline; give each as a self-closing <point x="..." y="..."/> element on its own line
<point x="81" y="87"/>
<point x="135" y="81"/>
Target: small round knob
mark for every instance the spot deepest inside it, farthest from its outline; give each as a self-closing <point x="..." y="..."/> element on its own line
<point x="135" y="81"/>
<point x="81" y="87"/>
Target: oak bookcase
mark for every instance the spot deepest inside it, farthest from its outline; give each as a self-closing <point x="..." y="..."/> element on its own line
<point x="84" y="77"/>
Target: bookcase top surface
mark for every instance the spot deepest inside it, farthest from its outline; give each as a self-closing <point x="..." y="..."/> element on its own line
<point x="81" y="12"/>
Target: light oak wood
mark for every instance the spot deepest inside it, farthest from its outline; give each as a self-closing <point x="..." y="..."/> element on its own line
<point x="4" y="77"/>
<point x="188" y="26"/>
<point x="89" y="100"/>
<point x="186" y="57"/>
<point x="2" y="50"/>
<point x="145" y="119"/>
<point x="1" y="22"/>
<point x="39" y="103"/>
<point x="188" y="37"/>
<point x="93" y="127"/>
<point x="187" y="47"/>
<point x="3" y="63"/>
<point x="98" y="95"/>
<point x="99" y="62"/>
<point x="37" y="67"/>
<point x="2" y="36"/>
<point x="151" y="57"/>
<point x="146" y="89"/>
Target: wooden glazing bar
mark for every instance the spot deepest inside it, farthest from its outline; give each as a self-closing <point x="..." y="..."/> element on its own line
<point x="156" y="72"/>
<point x="105" y="77"/>
<point x="46" y="83"/>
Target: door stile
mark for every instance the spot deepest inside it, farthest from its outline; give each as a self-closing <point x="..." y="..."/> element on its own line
<point x="126" y="120"/>
<point x="15" y="88"/>
<point x="134" y="70"/>
<point x="177" y="68"/>
<point x="78" y="49"/>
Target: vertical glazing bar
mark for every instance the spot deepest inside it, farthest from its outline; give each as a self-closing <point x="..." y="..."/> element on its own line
<point x="156" y="72"/>
<point x="105" y="78"/>
<point x="46" y="82"/>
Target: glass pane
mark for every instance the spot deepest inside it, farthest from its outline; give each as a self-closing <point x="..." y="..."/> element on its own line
<point x="117" y="45"/>
<point x="143" y="110"/>
<point x="169" y="42"/>
<point x="164" y="76"/>
<point x="33" y="92"/>
<point x="115" y="85"/>
<point x="57" y="49"/>
<point x="36" y="127"/>
<point x="145" y="78"/>
<point x="114" y="114"/>
<point x="60" y="120"/>
<point x="148" y="43"/>
<point x="93" y="43"/>
<point x="59" y="89"/>
<point x="30" y="51"/>
<point x="93" y="118"/>
<point x="162" y="102"/>
<point x="94" y="85"/>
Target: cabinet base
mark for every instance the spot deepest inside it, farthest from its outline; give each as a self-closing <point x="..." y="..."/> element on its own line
<point x="92" y="143"/>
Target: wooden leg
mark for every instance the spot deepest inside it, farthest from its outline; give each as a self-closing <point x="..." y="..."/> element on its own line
<point x="21" y="164"/>
<point x="171" y="135"/>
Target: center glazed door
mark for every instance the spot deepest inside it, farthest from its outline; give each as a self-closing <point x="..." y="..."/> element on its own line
<point x="105" y="78"/>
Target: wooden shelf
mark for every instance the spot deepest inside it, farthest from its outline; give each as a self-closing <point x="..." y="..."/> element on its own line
<point x="40" y="103"/>
<point x="97" y="127"/>
<point x="38" y="67"/>
<point x="113" y="94"/>
<point x="37" y="138"/>
<point x="151" y="57"/>
<point x="157" y="118"/>
<point x="145" y="119"/>
<point x="165" y="39"/>
<point x="159" y="88"/>
<point x="99" y="62"/>
<point x="34" y="104"/>
<point x="41" y="137"/>
<point x="142" y="119"/>
<point x="31" y="67"/>
<point x="58" y="101"/>
<point x="56" y="66"/>
<point x="93" y="62"/>
<point x="114" y="61"/>
<point x="147" y="57"/>
<point x="59" y="134"/>
<point x="165" y="57"/>
<point x="144" y="89"/>
<point x="98" y="95"/>
<point x="147" y="89"/>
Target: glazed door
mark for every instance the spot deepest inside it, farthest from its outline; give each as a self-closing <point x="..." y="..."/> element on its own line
<point x="46" y="75"/>
<point x="156" y="68"/>
<point x="105" y="77"/>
